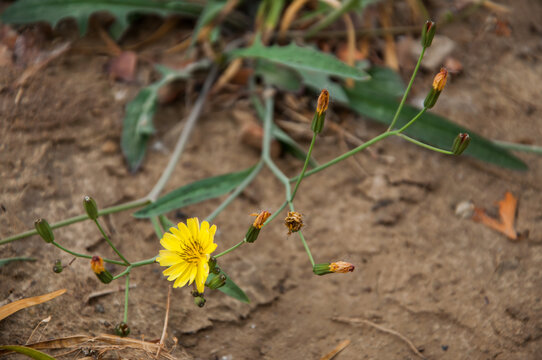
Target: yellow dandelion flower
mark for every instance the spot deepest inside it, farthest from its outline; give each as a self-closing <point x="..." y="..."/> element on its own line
<point x="188" y="248"/>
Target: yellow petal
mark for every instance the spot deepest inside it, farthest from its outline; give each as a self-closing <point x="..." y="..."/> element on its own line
<point x="204" y="234"/>
<point x="203" y="273"/>
<point x="193" y="226"/>
<point x="183" y="278"/>
<point x="210" y="248"/>
<point x="170" y="242"/>
<point x="181" y="232"/>
<point x="175" y="271"/>
<point x="193" y="273"/>
<point x="212" y="232"/>
<point x="168" y="258"/>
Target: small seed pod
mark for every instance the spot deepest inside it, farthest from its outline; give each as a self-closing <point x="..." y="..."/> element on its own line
<point x="217" y="282"/>
<point x="90" y="207"/>
<point x="320" y="115"/>
<point x="44" y="230"/>
<point x="199" y="301"/>
<point x="212" y="263"/>
<point x="122" y="329"/>
<point x="461" y="143"/>
<point x="97" y="266"/>
<point x="428" y="32"/>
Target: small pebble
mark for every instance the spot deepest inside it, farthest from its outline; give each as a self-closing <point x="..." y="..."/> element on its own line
<point x="99" y="308"/>
<point x="444" y="347"/>
<point x="464" y="209"/>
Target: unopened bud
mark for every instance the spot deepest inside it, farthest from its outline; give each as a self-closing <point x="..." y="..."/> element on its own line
<point x="294" y="222"/>
<point x="321" y="269"/>
<point x="428" y="32"/>
<point x="461" y="142"/>
<point x="90" y="207"/>
<point x="44" y="230"/>
<point x="216" y="270"/>
<point x="438" y="85"/>
<point x="97" y="265"/>
<point x="320" y="114"/>
<point x="122" y="329"/>
<point x="217" y="281"/>
<point x="341" y="267"/>
<point x="199" y="301"/>
<point x="57" y="267"/>
<point x="212" y="263"/>
<point x="254" y="229"/>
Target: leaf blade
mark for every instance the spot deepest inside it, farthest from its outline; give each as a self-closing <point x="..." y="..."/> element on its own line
<point x="230" y="288"/>
<point x="34" y="354"/>
<point x="194" y="192"/>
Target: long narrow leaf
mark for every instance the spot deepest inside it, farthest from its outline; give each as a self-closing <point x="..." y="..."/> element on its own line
<point x="230" y="288"/>
<point x="303" y="58"/>
<point x="194" y="192"/>
<point x="8" y="260"/>
<point x="430" y="128"/>
<point x="52" y="11"/>
<point x="34" y="354"/>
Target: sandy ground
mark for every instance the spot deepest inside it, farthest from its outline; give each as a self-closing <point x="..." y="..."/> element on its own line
<point x="454" y="288"/>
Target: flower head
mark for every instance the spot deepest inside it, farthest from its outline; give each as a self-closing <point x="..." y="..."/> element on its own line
<point x="323" y="102"/>
<point x="341" y="267"/>
<point x="97" y="265"/>
<point x="440" y="80"/>
<point x="261" y="218"/>
<point x="188" y="248"/>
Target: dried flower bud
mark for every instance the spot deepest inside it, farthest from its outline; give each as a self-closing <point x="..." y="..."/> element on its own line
<point x="438" y="85"/>
<point x="320" y="114"/>
<point x="254" y="229"/>
<point x="428" y="32"/>
<point x="261" y="218"/>
<point x="57" y="267"/>
<point x="199" y="301"/>
<point x="217" y="281"/>
<point x="44" y="230"/>
<point x="97" y="265"/>
<point x="461" y="142"/>
<point x="90" y="207"/>
<point x="122" y="329"/>
<point x="294" y="222"/>
<point x="341" y="267"/>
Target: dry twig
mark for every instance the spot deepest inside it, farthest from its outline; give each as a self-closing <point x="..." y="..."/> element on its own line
<point x="164" y="331"/>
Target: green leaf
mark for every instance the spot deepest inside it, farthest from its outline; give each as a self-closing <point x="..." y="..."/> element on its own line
<point x="280" y="76"/>
<point x="303" y="58"/>
<point x="34" y="354"/>
<point x="429" y="128"/>
<point x="384" y="80"/>
<point x="52" y="11"/>
<point x="230" y="288"/>
<point x="318" y="81"/>
<point x="165" y="222"/>
<point x="137" y="125"/>
<point x="194" y="192"/>
<point x="8" y="260"/>
<point x="211" y="10"/>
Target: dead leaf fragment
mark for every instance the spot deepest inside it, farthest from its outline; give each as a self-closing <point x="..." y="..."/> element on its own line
<point x="123" y="66"/>
<point x="343" y="344"/>
<point x="15" y="306"/>
<point x="507" y="213"/>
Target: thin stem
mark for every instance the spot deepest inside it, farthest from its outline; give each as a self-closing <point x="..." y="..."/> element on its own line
<point x="79" y="218"/>
<point x="267" y="124"/>
<point x="134" y="265"/>
<point x="334" y="34"/>
<point x="230" y="249"/>
<point x="306" y="247"/>
<point x="422" y="111"/>
<point x="85" y="256"/>
<point x="236" y="192"/>
<point x="407" y="90"/>
<point x="156" y="226"/>
<point x="110" y="243"/>
<point x="518" y="147"/>
<point x="346" y="154"/>
<point x="304" y="167"/>
<point x="126" y="295"/>
<point x="419" y="143"/>
<point x="183" y="138"/>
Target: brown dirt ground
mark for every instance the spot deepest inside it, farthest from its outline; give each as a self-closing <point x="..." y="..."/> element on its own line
<point x="451" y="286"/>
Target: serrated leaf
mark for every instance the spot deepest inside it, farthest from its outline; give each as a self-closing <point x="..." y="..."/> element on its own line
<point x="137" y="125"/>
<point x="194" y="192"/>
<point x="430" y="128"/>
<point x="230" y="288"/>
<point x="34" y="354"/>
<point x="8" y="260"/>
<point x="303" y="58"/>
<point x="52" y="11"/>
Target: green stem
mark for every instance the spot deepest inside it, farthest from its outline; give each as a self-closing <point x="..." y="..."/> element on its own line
<point x="156" y="226"/>
<point x="230" y="249"/>
<point x="346" y="154"/>
<point x="134" y="265"/>
<point x="306" y="247"/>
<point x="79" y="218"/>
<point x="127" y="263"/>
<point x="85" y="256"/>
<point x="419" y="143"/>
<point x="304" y="167"/>
<point x="126" y="295"/>
<point x="275" y="214"/>
<point x="185" y="134"/>
<point x="518" y="147"/>
<point x="398" y="111"/>
<point x="422" y="111"/>
<point x="236" y="192"/>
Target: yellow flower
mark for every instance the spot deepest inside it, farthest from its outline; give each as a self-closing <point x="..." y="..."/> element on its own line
<point x="187" y="253"/>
